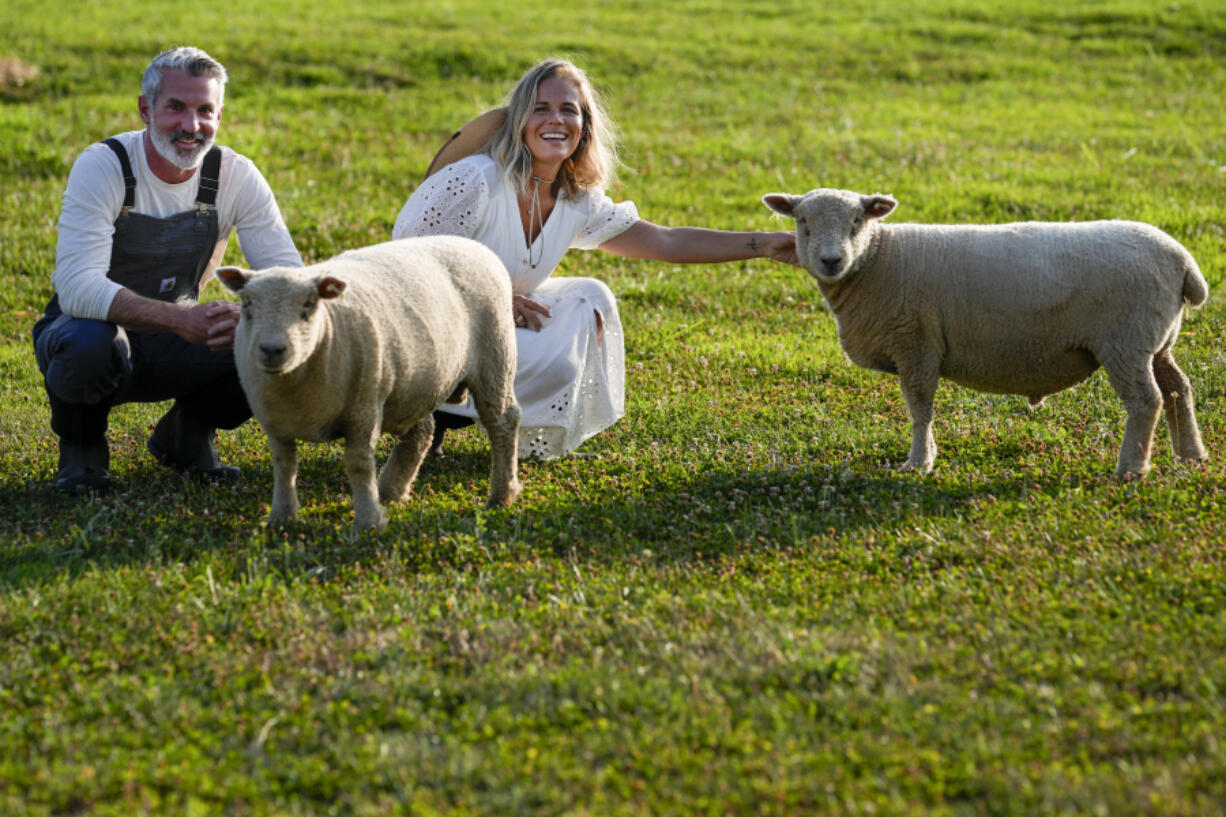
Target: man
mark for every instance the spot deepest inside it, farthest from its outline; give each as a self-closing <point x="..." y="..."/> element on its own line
<point x="144" y="215"/>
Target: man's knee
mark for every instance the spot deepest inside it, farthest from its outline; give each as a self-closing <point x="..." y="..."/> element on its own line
<point x="83" y="361"/>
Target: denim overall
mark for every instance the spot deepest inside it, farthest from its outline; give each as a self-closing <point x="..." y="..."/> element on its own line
<point x="90" y="366"/>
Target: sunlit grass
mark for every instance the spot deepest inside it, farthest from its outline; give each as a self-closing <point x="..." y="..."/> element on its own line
<point x="741" y="607"/>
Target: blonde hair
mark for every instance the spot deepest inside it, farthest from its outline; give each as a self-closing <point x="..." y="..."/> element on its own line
<point x="592" y="166"/>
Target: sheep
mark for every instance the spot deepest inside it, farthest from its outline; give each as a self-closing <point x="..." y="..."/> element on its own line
<point x="1028" y="308"/>
<point x="372" y="341"/>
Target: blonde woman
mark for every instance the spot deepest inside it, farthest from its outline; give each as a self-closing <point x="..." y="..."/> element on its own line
<point x="535" y="190"/>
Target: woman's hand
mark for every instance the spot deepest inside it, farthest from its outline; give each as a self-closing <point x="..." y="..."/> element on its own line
<point x="527" y="312"/>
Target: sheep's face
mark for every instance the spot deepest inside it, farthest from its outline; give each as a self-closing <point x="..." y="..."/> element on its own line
<point x="833" y="228"/>
<point x="281" y="319"/>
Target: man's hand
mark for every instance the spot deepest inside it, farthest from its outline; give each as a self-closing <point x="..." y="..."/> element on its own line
<point x="210" y="324"/>
<point x="223" y="319"/>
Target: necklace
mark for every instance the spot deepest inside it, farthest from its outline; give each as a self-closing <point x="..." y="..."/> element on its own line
<point x="536" y="216"/>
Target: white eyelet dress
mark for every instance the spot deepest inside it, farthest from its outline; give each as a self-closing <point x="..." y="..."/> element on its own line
<point x="570" y="382"/>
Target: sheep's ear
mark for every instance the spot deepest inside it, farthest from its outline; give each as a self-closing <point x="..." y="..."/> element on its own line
<point x="879" y="205"/>
<point x="329" y="287"/>
<point x="782" y="203"/>
<point x="234" y="278"/>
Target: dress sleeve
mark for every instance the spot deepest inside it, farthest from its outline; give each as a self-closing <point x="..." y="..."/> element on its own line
<point x="605" y="220"/>
<point x="448" y="203"/>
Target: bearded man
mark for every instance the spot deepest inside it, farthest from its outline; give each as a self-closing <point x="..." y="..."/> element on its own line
<point x="146" y="216"/>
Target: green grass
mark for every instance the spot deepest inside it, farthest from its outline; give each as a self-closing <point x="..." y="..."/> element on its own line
<point x="740" y="608"/>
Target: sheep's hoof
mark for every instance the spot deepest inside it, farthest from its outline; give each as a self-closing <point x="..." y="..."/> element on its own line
<point x="391" y="495"/>
<point x="502" y="499"/>
<point x="376" y="526"/>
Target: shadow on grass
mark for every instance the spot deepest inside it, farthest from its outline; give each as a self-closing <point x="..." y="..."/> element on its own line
<point x="595" y="511"/>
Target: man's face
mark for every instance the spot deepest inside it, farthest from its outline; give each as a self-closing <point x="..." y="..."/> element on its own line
<point x="183" y="120"/>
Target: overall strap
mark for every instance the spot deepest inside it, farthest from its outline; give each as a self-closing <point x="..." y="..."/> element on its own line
<point x="210" y="178"/>
<point x="129" y="181"/>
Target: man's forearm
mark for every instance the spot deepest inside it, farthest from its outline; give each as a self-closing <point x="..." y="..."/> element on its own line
<point x="211" y="324"/>
<point x="134" y="311"/>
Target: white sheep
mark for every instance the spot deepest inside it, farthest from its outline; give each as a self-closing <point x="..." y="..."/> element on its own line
<point x="1029" y="308"/>
<point x="371" y="342"/>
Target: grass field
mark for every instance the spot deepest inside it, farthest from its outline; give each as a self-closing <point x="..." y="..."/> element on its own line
<point x="741" y="607"/>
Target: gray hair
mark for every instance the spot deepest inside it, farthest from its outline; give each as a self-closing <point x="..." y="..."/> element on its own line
<point x="592" y="166"/>
<point x="188" y="60"/>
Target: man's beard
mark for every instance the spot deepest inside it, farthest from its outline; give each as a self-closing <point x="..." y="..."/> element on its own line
<point x="164" y="144"/>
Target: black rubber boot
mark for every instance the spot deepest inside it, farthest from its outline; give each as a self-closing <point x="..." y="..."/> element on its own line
<point x="84" y="468"/>
<point x="186" y="445"/>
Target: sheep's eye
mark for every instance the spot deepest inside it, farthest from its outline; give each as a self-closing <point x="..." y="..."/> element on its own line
<point x="857" y="222"/>
<point x="246" y="310"/>
<point x="800" y="221"/>
<point x="308" y="309"/>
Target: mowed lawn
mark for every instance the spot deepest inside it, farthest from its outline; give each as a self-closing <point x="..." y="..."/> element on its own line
<point x="741" y="607"/>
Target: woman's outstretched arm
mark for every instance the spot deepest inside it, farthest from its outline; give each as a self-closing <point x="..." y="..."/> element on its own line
<point x="697" y="245"/>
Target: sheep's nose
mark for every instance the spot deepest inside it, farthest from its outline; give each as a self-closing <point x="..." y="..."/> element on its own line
<point x="832" y="262"/>
<point x="272" y="351"/>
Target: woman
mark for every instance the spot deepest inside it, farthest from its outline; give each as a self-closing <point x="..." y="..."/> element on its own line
<point x="535" y="190"/>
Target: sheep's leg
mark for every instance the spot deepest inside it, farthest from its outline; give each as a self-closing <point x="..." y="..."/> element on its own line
<point x="501" y="421"/>
<point x="1180" y="408"/>
<point x="1138" y="391"/>
<point x="919" y="390"/>
<point x="284" y="479"/>
<point x="400" y="470"/>
<point x="360" y="466"/>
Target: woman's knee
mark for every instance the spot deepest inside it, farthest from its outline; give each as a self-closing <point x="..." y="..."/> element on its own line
<point x="600" y="296"/>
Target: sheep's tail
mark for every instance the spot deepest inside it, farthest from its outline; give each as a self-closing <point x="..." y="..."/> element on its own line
<point x="1195" y="288"/>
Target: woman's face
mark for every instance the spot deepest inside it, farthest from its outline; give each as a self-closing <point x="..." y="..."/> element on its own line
<point x="556" y="124"/>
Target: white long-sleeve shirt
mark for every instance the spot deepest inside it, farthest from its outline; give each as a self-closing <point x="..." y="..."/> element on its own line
<point x="94" y="197"/>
